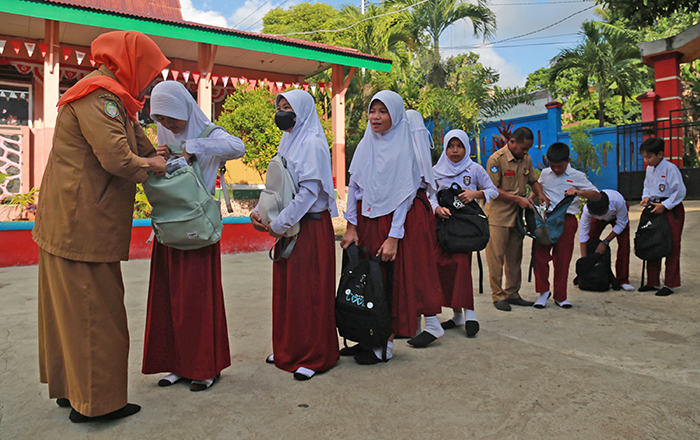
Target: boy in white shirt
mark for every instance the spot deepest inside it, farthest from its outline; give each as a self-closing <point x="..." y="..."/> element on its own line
<point x="560" y="180"/>
<point x="611" y="209"/>
<point x="663" y="188"/>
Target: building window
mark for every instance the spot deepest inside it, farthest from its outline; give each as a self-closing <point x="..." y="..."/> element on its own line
<point x="15" y="103"/>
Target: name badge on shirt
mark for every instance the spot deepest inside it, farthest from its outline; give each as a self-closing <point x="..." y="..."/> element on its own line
<point x="662" y="187"/>
<point x="509" y="173"/>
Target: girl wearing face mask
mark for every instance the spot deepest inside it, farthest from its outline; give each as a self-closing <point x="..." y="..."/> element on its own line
<point x="304" y="339"/>
<point x="455" y="166"/>
<point x="388" y="214"/>
<point x="186" y="331"/>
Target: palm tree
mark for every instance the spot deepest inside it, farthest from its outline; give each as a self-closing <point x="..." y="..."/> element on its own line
<point x="607" y="61"/>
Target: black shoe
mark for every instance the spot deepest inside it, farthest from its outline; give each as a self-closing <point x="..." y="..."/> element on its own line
<point x="367" y="357"/>
<point x="63" y="402"/>
<point x="128" y="410"/>
<point x="664" y="291"/>
<point x="472" y="328"/>
<point x="201" y="386"/>
<point x="520" y="302"/>
<point x="449" y="324"/>
<point x="351" y="351"/>
<point x="647" y="289"/>
<point x="422" y="340"/>
<point x="502" y="305"/>
<point x="270" y="359"/>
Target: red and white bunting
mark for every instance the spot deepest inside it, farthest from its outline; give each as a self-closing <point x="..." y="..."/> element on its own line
<point x="195" y="75"/>
<point x="22" y="68"/>
<point x="253" y="82"/>
<point x="164" y="73"/>
<point x="16" y="45"/>
<point x="296" y="85"/>
<point x="242" y="80"/>
<point x="305" y="86"/>
<point x="66" y="53"/>
<point x="43" y="48"/>
<point x="175" y="73"/>
<point x="287" y="85"/>
<point x="225" y="80"/>
<point x="322" y="87"/>
<point x="80" y="56"/>
<point x="215" y="79"/>
<point x="186" y="75"/>
<point x="13" y="95"/>
<point x="2" y="46"/>
<point x="69" y="74"/>
<point x="92" y="62"/>
<point x="279" y="84"/>
<point x="30" y="48"/>
<point x="313" y="87"/>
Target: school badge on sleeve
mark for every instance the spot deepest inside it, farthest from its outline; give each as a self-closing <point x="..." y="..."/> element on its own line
<point x="494" y="169"/>
<point x="111" y="109"/>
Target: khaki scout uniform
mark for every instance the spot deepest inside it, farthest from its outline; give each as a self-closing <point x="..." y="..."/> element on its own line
<point x="505" y="247"/>
<point x="83" y="230"/>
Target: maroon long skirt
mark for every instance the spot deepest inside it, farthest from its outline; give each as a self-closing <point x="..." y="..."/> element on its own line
<point x="186" y="331"/>
<point x="415" y="284"/>
<point x="455" y="271"/>
<point x="303" y="300"/>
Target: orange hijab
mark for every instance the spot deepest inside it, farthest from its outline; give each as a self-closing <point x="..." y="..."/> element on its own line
<point x="133" y="58"/>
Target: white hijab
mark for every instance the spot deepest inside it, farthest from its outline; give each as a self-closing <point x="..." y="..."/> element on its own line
<point x="422" y="144"/>
<point x="445" y="168"/>
<point x="384" y="165"/>
<point x="171" y="99"/>
<point x="306" y="148"/>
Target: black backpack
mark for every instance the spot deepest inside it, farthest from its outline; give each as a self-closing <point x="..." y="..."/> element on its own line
<point x="467" y="229"/>
<point x="362" y="306"/>
<point x="593" y="272"/>
<point x="653" y="240"/>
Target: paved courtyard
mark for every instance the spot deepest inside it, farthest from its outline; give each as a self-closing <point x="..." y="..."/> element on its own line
<point x="618" y="365"/>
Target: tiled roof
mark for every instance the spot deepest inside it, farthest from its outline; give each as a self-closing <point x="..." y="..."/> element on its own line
<point x="165" y="9"/>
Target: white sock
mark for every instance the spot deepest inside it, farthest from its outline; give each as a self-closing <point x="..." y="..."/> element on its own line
<point x="419" y="326"/>
<point x="305" y="371"/>
<point x="432" y="326"/>
<point x="172" y="378"/>
<point x="470" y="315"/>
<point x="563" y="303"/>
<point x="206" y="382"/>
<point x="542" y="300"/>
<point x="667" y="288"/>
<point x="389" y="351"/>
<point x="458" y="318"/>
<point x="627" y="287"/>
<point x="271" y="358"/>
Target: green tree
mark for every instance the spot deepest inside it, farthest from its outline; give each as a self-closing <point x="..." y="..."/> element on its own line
<point x="605" y="62"/>
<point x="648" y="12"/>
<point x="303" y="17"/>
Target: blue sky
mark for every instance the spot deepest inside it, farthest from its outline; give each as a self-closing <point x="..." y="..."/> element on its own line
<point x="514" y="59"/>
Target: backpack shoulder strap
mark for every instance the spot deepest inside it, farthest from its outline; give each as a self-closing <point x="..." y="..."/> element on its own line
<point x="209" y="128"/>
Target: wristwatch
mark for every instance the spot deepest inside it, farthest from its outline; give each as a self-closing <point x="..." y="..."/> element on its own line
<point x="606" y="242"/>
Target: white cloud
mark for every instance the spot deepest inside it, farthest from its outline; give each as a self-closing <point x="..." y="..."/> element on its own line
<point x="249" y="16"/>
<point x="212" y="18"/>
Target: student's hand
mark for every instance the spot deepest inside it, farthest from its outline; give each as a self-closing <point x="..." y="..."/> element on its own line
<point x="350" y="237"/>
<point x="157" y="165"/>
<point x="257" y="222"/>
<point x="545" y="201"/>
<point x="601" y="248"/>
<point x="187" y="156"/>
<point x="443" y="212"/>
<point x="525" y="203"/>
<point x="389" y="249"/>
<point x="571" y="192"/>
<point x="274" y="234"/>
<point x="644" y="202"/>
<point x="658" y="208"/>
<point x="164" y="151"/>
<point x="468" y="195"/>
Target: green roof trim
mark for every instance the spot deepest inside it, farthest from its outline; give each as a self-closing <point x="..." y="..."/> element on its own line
<point x="117" y="21"/>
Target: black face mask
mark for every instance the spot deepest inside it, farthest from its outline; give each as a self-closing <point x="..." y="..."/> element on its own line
<point x="285" y="120"/>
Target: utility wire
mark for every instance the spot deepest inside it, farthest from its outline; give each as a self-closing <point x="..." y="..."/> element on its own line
<point x="540" y="4"/>
<point x="261" y="18"/>
<point x="509" y="46"/>
<point x="259" y="7"/>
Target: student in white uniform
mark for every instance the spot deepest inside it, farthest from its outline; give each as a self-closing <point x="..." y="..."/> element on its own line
<point x="663" y="188"/>
<point x="611" y="209"/>
<point x="455" y="270"/>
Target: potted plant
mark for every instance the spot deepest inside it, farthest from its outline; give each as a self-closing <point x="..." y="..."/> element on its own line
<point x="26" y="203"/>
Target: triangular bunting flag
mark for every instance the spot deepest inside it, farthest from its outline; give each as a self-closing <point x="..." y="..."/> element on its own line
<point x="287" y="85"/>
<point x="43" y="48"/>
<point x="2" y="94"/>
<point x="253" y="82"/>
<point x="225" y="80"/>
<point x="13" y="95"/>
<point x="313" y="88"/>
<point x="215" y="79"/>
<point x="195" y="75"/>
<point x="164" y="73"/>
<point x="296" y="85"/>
<point x="17" y="46"/>
<point x="242" y="80"/>
<point x="322" y="87"/>
<point x="279" y="84"/>
<point x="80" y="56"/>
<point x="306" y="86"/>
<point x="186" y="75"/>
<point x="2" y="46"/>
<point x="92" y="62"/>
<point x="175" y="73"/>
<point x="30" y="48"/>
<point x="66" y="53"/>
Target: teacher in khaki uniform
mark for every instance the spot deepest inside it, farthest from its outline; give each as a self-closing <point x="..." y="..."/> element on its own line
<point x="511" y="170"/>
<point x="83" y="227"/>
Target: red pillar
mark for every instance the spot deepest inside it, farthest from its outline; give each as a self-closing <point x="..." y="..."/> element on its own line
<point x="667" y="76"/>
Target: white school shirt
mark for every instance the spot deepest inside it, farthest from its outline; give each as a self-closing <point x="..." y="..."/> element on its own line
<point x="664" y="181"/>
<point x="472" y="178"/>
<point x="213" y="152"/>
<point x="555" y="186"/>
<point x="397" y="221"/>
<point x="617" y="210"/>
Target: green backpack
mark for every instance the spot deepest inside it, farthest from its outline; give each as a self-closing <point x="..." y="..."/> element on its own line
<point x="185" y="215"/>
